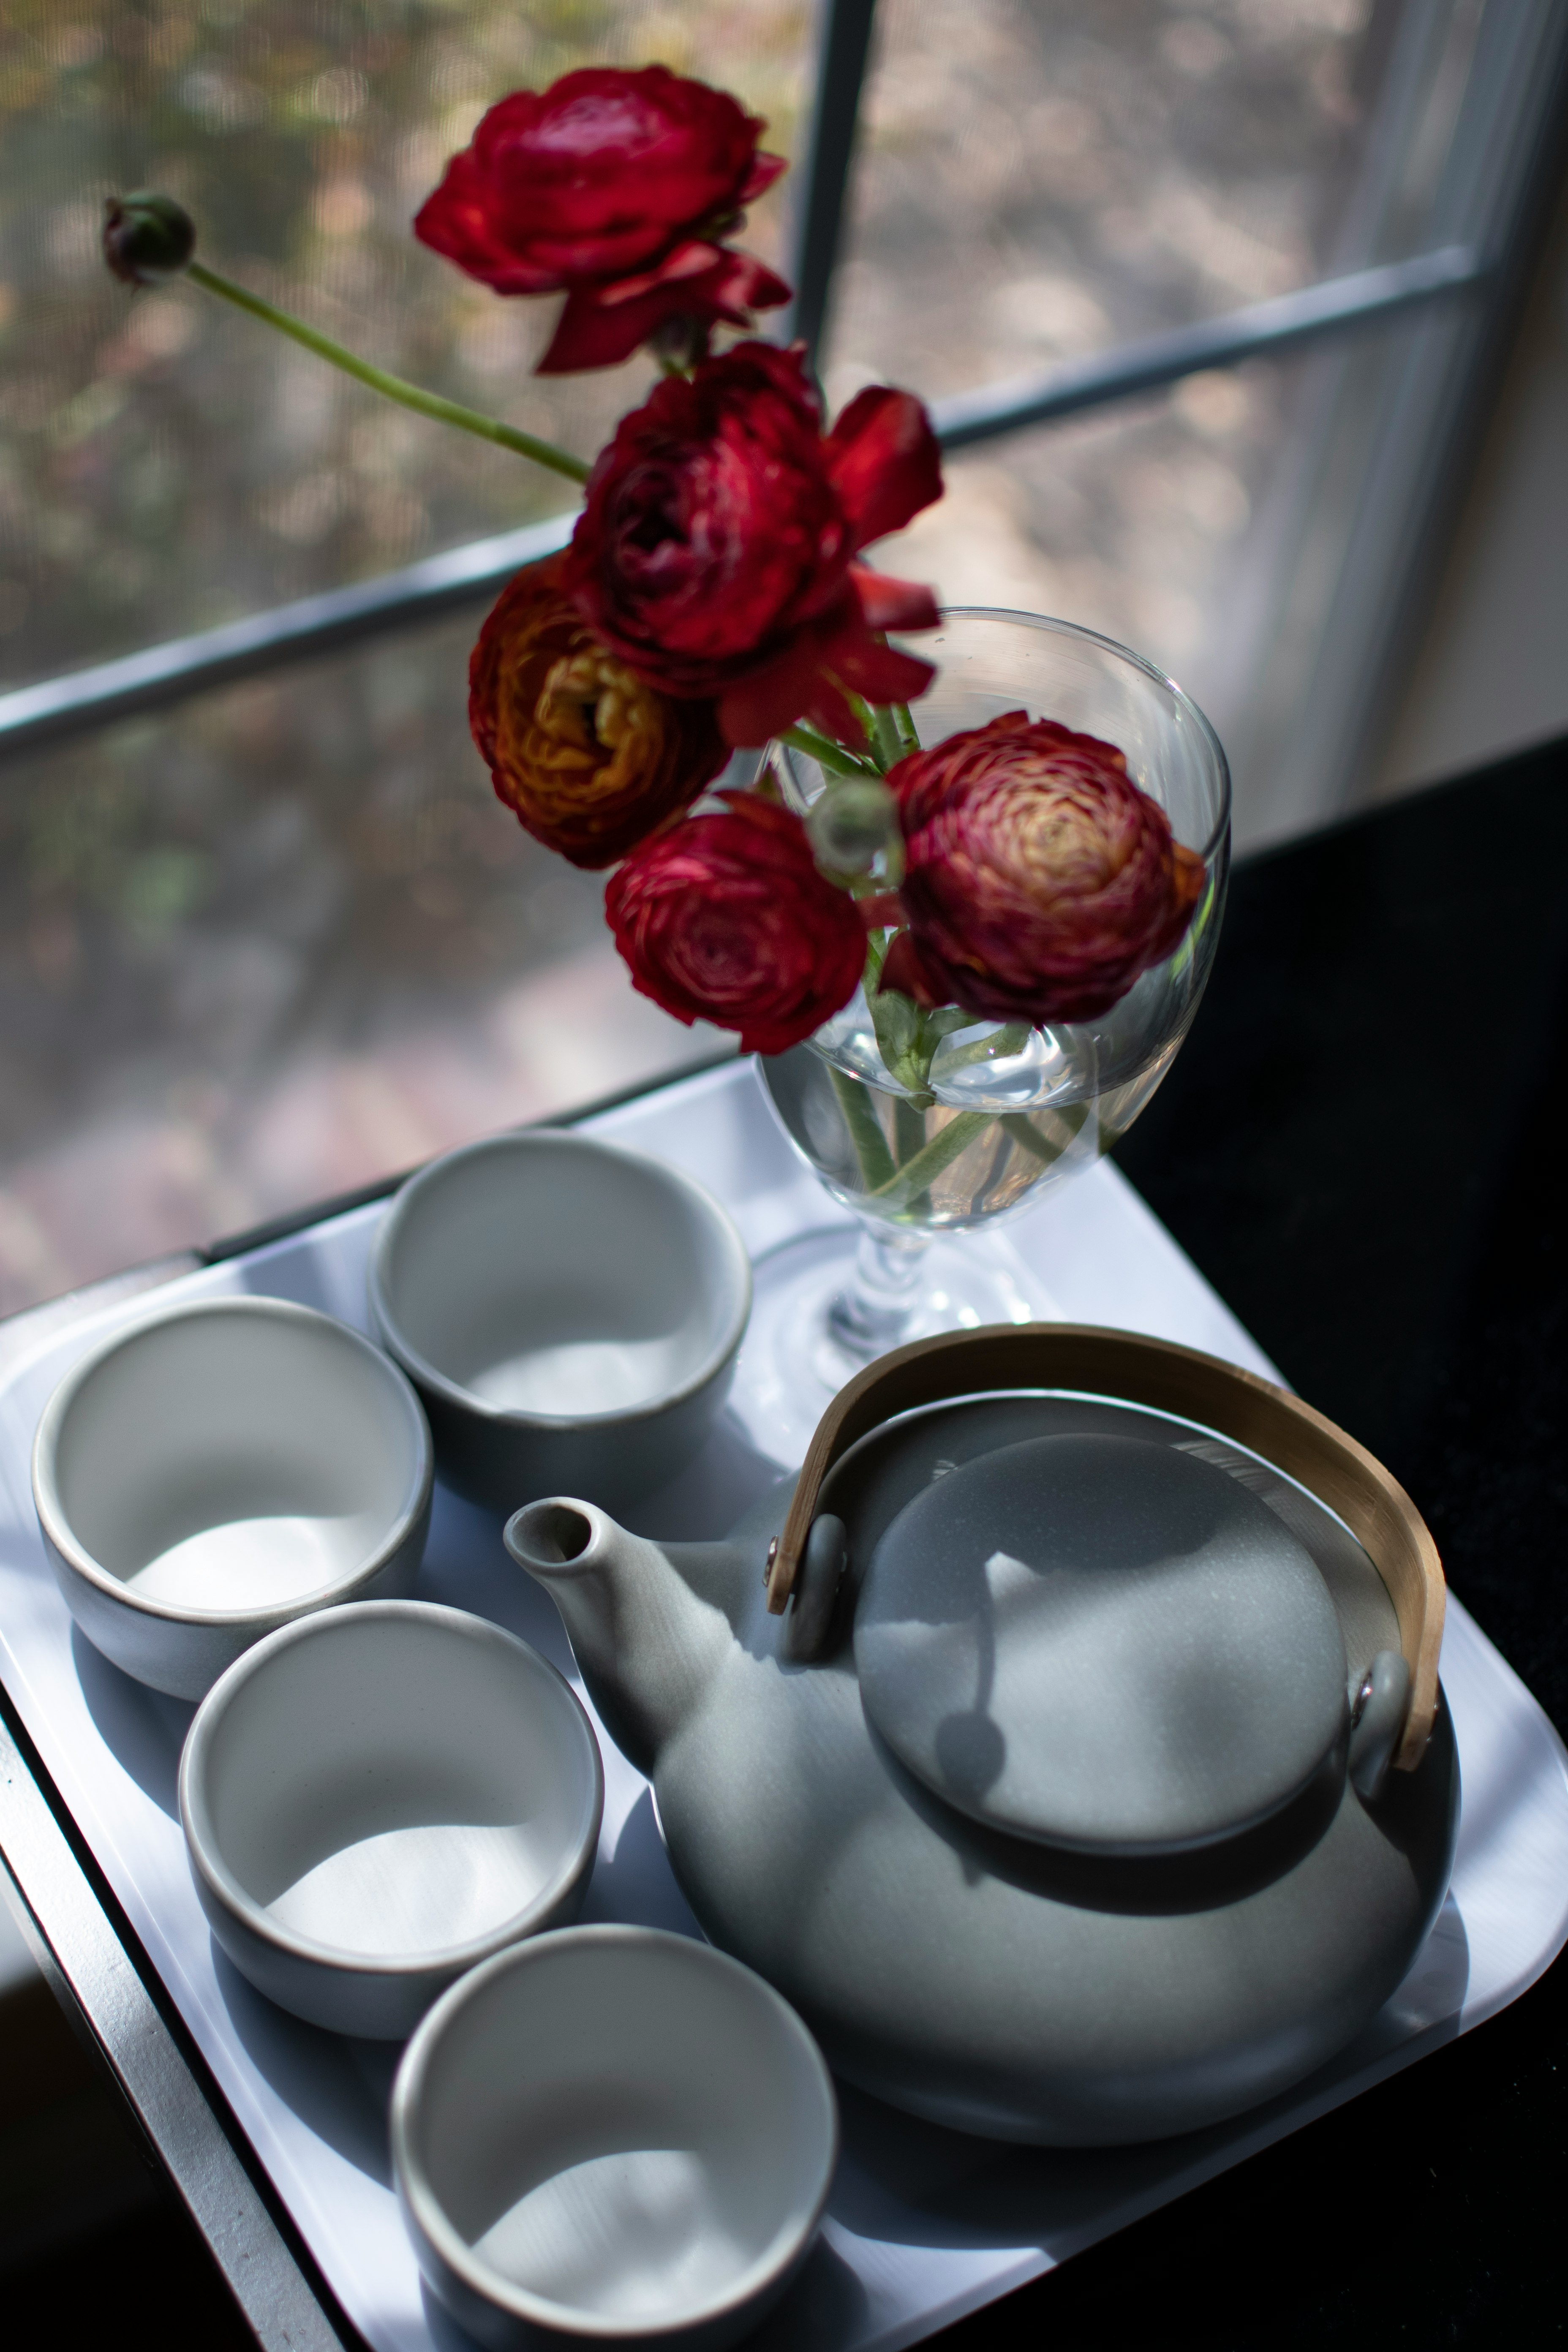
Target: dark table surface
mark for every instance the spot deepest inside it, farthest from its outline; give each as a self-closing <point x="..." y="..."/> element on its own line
<point x="1357" y="1147"/>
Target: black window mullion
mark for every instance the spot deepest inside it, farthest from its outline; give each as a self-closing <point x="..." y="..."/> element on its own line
<point x="843" y="52"/>
<point x="162" y="675"/>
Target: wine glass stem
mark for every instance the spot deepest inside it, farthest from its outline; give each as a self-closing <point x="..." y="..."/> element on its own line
<point x="875" y="1312"/>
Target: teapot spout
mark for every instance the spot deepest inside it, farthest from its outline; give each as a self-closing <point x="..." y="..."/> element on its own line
<point x="645" y="1644"/>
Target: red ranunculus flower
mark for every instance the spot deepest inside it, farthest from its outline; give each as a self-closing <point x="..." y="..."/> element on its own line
<point x="714" y="553"/>
<point x="1039" y="880"/>
<point x="726" y="919"/>
<point x="614" y="188"/>
<point x="589" y="758"/>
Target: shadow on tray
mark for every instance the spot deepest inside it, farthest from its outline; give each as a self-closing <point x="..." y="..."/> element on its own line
<point x="467" y="1564"/>
<point x="341" y="2088"/>
<point x="143" y="1729"/>
<point x="825" y="2305"/>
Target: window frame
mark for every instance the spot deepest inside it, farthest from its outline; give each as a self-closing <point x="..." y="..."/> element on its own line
<point x="1462" y="290"/>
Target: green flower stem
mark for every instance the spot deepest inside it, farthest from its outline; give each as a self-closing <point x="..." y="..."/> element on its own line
<point x="876" y="1161"/>
<point x="831" y="756"/>
<point x="908" y="734"/>
<point x="909" y="1126"/>
<point x="885" y="736"/>
<point x="943" y="1149"/>
<point x="1022" y="1131"/>
<point x="1010" y="1040"/>
<point x="391" y="387"/>
<point x="909" y="1142"/>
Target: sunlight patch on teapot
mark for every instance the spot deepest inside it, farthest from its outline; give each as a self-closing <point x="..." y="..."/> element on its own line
<point x="1100" y="1643"/>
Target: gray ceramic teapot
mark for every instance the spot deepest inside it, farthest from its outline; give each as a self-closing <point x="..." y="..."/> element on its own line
<point x="1071" y="1754"/>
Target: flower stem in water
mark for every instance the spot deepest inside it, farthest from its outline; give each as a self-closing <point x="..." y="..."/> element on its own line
<point x="908" y="1140"/>
<point x="1002" y="1043"/>
<point x="876" y="1161"/>
<point x="898" y="1189"/>
<point x="885" y="735"/>
<point x="1024" y="1131"/>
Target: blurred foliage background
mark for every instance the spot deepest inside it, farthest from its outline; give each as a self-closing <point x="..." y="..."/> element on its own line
<point x="169" y="464"/>
<point x="283" y="939"/>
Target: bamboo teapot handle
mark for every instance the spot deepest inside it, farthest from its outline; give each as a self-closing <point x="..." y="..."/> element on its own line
<point x="1253" y="1413"/>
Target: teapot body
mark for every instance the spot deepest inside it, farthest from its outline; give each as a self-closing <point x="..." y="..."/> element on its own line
<point x="1003" y="1985"/>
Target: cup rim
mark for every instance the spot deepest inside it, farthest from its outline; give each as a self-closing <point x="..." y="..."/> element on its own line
<point x="452" y="1392"/>
<point x="206" y="1857"/>
<point x="58" y="1528"/>
<point x="1151" y="670"/>
<point x="430" y="2215"/>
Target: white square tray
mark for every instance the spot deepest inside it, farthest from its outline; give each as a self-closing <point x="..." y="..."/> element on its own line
<point x="924" y="2225"/>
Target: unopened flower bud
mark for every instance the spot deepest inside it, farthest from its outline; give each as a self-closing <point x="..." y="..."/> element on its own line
<point x="853" y="823"/>
<point x="147" y="239"/>
<point x="681" y="339"/>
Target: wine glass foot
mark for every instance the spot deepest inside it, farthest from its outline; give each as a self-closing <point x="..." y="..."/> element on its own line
<point x="798" y="1353"/>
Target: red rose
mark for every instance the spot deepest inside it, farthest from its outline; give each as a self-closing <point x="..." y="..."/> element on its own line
<point x="616" y="189"/>
<point x="1039" y="880"/>
<point x="588" y="757"/>
<point x="726" y="919"/>
<point x="714" y="551"/>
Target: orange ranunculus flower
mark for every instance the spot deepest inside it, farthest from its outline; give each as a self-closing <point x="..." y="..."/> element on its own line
<point x="590" y="760"/>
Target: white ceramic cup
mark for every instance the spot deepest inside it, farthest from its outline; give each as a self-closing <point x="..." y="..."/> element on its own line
<point x="569" y="1312"/>
<point x="220" y="1469"/>
<point x="614" y="2134"/>
<point x="379" y="1797"/>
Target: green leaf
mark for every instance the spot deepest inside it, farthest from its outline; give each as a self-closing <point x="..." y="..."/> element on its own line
<point x="907" y="1037"/>
<point x="897" y="1021"/>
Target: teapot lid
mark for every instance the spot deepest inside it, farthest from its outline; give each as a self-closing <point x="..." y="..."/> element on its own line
<point x="1100" y="1643"/>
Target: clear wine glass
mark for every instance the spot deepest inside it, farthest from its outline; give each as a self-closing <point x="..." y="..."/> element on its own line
<point x="931" y="1171"/>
